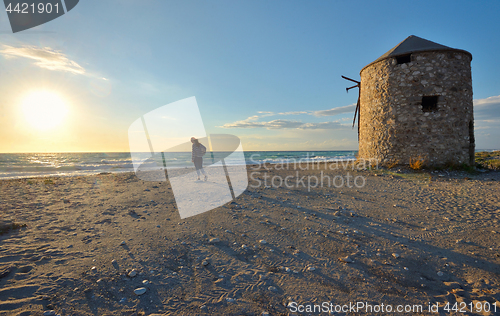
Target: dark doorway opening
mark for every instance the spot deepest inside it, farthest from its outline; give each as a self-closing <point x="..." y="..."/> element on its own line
<point x="472" y="144"/>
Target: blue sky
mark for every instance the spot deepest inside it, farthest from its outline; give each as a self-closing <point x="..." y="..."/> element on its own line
<point x="266" y="71"/>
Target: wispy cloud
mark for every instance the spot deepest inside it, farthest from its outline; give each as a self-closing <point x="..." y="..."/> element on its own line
<point x="488" y="109"/>
<point x="294" y="113"/>
<point x="322" y="125"/>
<point x="274" y="124"/>
<point x="46" y="58"/>
<point x="282" y="124"/>
<point x="267" y="113"/>
<point x="489" y="100"/>
<point x="336" y="111"/>
<point x="252" y="121"/>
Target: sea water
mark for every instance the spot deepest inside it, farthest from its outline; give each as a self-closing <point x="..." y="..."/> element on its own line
<point x="26" y="165"/>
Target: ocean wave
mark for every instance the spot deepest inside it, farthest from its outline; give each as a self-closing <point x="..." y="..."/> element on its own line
<point x="22" y="175"/>
<point x="73" y="167"/>
<point x="115" y="161"/>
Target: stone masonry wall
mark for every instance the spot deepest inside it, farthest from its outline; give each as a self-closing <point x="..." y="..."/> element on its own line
<point x="393" y="126"/>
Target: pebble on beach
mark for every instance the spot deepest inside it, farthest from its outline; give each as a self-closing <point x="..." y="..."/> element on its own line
<point x="346" y="259"/>
<point x="140" y="291"/>
<point x="214" y="240"/>
<point x="132" y="273"/>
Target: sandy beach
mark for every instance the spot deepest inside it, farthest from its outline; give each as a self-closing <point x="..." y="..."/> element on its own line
<point x="405" y="238"/>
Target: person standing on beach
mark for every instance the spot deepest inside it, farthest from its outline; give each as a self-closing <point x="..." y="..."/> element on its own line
<point x="198" y="150"/>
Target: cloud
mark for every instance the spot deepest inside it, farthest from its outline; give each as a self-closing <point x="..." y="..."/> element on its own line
<point x="322" y="125"/>
<point x="252" y="121"/>
<point x="294" y="113"/>
<point x="489" y="100"/>
<point x="246" y="123"/>
<point x="46" y="58"/>
<point x="278" y="124"/>
<point x="282" y="124"/>
<point x="275" y="124"/>
<point x="488" y="109"/>
<point x="336" y="111"/>
<point x="267" y="113"/>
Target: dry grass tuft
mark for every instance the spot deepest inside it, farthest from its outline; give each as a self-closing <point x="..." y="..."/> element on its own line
<point x="417" y="163"/>
<point x="392" y="163"/>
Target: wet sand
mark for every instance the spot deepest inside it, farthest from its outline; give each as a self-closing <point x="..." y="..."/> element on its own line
<point x="403" y="238"/>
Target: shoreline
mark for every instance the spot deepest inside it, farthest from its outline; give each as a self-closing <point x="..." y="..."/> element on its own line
<point x="350" y="164"/>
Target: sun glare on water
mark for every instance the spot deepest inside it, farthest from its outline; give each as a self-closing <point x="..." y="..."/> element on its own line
<point x="44" y="110"/>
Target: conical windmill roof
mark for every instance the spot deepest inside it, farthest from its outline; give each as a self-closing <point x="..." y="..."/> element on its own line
<point x="415" y="44"/>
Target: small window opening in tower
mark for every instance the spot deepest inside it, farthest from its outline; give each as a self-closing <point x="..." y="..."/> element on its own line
<point x="403" y="59"/>
<point x="430" y="103"/>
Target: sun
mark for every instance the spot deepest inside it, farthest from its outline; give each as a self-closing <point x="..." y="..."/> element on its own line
<point x="44" y="110"/>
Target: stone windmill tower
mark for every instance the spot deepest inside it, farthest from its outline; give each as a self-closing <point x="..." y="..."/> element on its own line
<point x="416" y="101"/>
